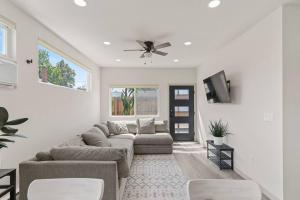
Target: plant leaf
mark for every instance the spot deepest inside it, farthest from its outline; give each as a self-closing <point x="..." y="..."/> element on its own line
<point x="17" y="121"/>
<point x="13" y="135"/>
<point x="5" y="140"/>
<point x="8" y="130"/>
<point x="2" y="145"/>
<point x="3" y="116"/>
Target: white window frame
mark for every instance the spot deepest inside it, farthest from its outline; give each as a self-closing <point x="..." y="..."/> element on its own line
<point x="9" y="40"/>
<point x="66" y="57"/>
<point x="134" y="96"/>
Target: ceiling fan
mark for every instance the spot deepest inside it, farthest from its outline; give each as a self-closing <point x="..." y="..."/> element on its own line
<point x="149" y="48"/>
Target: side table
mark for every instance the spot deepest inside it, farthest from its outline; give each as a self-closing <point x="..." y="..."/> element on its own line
<point x="11" y="188"/>
<point x="221" y="155"/>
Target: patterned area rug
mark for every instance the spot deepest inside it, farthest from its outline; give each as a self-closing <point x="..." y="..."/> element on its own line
<point x="155" y="177"/>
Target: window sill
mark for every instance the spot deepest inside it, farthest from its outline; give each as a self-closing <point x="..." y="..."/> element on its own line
<point x="5" y="58"/>
<point x="134" y="116"/>
<point x="59" y="86"/>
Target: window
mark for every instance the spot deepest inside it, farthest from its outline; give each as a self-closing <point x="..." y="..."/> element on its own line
<point x="181" y="128"/>
<point x="8" y="64"/>
<point x="55" y="69"/>
<point x="181" y="94"/>
<point x="7" y="40"/>
<point x="2" y="40"/>
<point x="134" y="101"/>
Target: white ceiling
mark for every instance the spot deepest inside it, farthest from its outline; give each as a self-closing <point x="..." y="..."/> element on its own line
<point x="123" y="21"/>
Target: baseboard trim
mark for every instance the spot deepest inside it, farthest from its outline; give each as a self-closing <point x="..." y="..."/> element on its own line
<point x="264" y="190"/>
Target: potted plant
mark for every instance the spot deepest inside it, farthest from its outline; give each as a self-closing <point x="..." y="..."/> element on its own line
<point x="219" y="130"/>
<point x="5" y="128"/>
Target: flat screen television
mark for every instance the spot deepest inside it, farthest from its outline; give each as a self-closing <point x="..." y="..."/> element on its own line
<point x="217" y="88"/>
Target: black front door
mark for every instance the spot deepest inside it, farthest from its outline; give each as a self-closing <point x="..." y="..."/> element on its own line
<point x="182" y="113"/>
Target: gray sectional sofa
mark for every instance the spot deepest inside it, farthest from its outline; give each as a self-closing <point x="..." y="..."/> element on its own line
<point x="50" y="164"/>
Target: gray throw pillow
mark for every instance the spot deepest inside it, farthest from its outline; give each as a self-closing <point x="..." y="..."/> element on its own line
<point x="117" y="128"/>
<point x="103" y="127"/>
<point x="43" y="156"/>
<point x="162" y="126"/>
<point x="89" y="153"/>
<point x="95" y="137"/>
<point x="146" y="126"/>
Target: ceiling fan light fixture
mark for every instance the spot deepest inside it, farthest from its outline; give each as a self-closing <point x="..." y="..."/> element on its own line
<point x="107" y="43"/>
<point x="188" y="43"/>
<point x="81" y="3"/>
<point x="148" y="54"/>
<point x="214" y="3"/>
<point x="176" y="60"/>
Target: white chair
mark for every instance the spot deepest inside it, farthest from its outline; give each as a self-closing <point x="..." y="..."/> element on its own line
<point x="66" y="189"/>
<point x="223" y="189"/>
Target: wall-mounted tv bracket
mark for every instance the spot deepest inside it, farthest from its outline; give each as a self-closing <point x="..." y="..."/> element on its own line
<point x="228" y="85"/>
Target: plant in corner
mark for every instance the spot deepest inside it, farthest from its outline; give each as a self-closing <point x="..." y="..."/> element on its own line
<point x="6" y="129"/>
<point x="219" y="130"/>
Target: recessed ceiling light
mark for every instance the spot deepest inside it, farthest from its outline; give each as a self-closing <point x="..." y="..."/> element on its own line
<point x="118" y="60"/>
<point x="188" y="43"/>
<point x="214" y="3"/>
<point x="81" y="3"/>
<point x="176" y="60"/>
<point x="107" y="43"/>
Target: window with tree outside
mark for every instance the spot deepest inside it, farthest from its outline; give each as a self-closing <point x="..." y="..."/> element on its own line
<point x="133" y="101"/>
<point x="57" y="70"/>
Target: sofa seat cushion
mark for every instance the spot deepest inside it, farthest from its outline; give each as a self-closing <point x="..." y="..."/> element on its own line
<point x="124" y="144"/>
<point x="142" y="149"/>
<point x="127" y="136"/>
<point x="154" y="139"/>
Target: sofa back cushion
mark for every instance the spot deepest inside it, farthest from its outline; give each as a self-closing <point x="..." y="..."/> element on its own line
<point x="90" y="153"/>
<point x="117" y="127"/>
<point x="145" y="126"/>
<point x="131" y="126"/>
<point x="95" y="137"/>
<point x="162" y="126"/>
<point x="43" y="156"/>
<point x="103" y="127"/>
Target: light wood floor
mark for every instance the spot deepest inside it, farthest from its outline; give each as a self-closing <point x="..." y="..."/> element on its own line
<point x="192" y="159"/>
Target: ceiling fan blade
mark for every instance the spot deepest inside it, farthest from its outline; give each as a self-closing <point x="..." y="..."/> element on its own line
<point x="143" y="55"/>
<point x="163" y="45"/>
<point x="142" y="43"/>
<point x="134" y="50"/>
<point x="160" y="53"/>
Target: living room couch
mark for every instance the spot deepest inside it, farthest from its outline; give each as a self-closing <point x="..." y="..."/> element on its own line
<point x="134" y="143"/>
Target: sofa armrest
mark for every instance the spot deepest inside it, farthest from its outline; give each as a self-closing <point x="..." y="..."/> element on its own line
<point x="106" y="170"/>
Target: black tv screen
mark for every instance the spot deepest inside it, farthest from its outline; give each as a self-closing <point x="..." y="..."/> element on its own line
<point x="217" y="89"/>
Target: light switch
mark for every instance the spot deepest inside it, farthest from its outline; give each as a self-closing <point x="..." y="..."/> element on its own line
<point x="268" y="117"/>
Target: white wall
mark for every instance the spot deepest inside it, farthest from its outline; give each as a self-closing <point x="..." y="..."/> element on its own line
<point x="54" y="113"/>
<point x="291" y="99"/>
<point x="253" y="63"/>
<point x="144" y="76"/>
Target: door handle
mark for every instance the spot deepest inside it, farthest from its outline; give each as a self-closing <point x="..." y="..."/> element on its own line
<point x="171" y="113"/>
